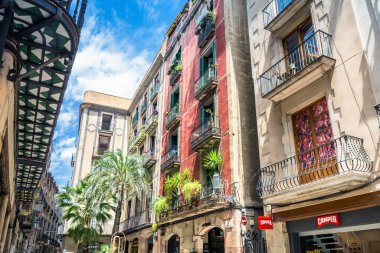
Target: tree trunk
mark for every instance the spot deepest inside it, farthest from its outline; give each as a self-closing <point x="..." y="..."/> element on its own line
<point x="116" y="222"/>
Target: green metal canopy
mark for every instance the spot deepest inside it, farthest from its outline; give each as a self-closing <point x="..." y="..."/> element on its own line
<point x="46" y="39"/>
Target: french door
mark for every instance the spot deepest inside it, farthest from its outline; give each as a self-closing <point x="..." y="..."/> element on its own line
<point x="316" y="154"/>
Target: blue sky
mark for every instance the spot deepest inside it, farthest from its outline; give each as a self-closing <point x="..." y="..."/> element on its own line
<point x="119" y="40"/>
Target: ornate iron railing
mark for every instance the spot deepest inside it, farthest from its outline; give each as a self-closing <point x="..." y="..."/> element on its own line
<point x="144" y="107"/>
<point x="154" y="91"/>
<point x="150" y="157"/>
<point x="174" y="113"/>
<point x="206" y="30"/>
<point x="153" y="119"/>
<point x="171" y="156"/>
<point x="273" y="9"/>
<point x="131" y="142"/>
<point x="207" y="197"/>
<point x="206" y="79"/>
<point x="316" y="46"/>
<point x="204" y="131"/>
<point x="138" y="220"/>
<point x="339" y="156"/>
<point x="174" y="76"/>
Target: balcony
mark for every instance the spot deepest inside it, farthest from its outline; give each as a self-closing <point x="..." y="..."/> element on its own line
<point x="132" y="144"/>
<point x="172" y="118"/>
<point x="208" y="200"/>
<point x="144" y="107"/>
<point x="206" y="83"/>
<point x="135" y="119"/>
<point x="150" y="158"/>
<point x="141" y="136"/>
<point x="205" y="135"/>
<point x="174" y="76"/>
<point x="144" y="218"/>
<point x="152" y="122"/>
<point x="171" y="159"/>
<point x="154" y="91"/>
<point x="206" y="29"/>
<point x="278" y="12"/>
<point x="336" y="166"/>
<point x="306" y="64"/>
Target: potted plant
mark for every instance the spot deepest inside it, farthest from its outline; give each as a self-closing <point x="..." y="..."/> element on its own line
<point x="160" y="205"/>
<point x="213" y="164"/>
<point x="191" y="190"/>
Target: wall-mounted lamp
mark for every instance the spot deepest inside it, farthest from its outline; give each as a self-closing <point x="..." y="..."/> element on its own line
<point x="377" y="108"/>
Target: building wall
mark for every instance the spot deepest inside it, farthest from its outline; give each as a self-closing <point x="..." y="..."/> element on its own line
<point x="350" y="89"/>
<point x="7" y="137"/>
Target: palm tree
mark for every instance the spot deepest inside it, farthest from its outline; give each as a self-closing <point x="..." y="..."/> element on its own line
<point x="84" y="215"/>
<point x="117" y="175"/>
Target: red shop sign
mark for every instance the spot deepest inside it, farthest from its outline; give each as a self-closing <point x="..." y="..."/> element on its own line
<point x="328" y="219"/>
<point x="265" y="222"/>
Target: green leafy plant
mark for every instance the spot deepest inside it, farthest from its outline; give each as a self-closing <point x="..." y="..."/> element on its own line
<point x="161" y="205"/>
<point x="178" y="66"/>
<point x="171" y="184"/>
<point x="213" y="161"/>
<point x="191" y="189"/>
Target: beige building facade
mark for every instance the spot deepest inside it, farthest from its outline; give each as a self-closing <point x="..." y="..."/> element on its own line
<point x="104" y="125"/>
<point x="144" y="139"/>
<point x="315" y="81"/>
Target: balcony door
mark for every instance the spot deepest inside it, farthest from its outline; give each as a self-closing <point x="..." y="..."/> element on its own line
<point x="298" y="46"/>
<point x="314" y="144"/>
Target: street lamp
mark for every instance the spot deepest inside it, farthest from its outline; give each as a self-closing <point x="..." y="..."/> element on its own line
<point x="377" y="108"/>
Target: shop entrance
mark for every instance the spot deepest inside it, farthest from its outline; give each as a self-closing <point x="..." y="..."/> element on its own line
<point x="150" y="244"/>
<point x="349" y="241"/>
<point x="214" y="241"/>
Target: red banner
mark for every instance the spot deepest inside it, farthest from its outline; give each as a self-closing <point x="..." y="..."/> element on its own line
<point x="265" y="222"/>
<point x="328" y="219"/>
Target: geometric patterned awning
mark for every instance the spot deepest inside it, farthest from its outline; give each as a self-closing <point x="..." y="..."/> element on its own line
<point x="47" y="39"/>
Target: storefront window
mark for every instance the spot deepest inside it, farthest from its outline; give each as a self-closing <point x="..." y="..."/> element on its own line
<point x="361" y="241"/>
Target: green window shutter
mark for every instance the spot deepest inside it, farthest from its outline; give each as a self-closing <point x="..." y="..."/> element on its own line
<point x="202" y="66"/>
<point x="214" y="52"/>
<point x="172" y="101"/>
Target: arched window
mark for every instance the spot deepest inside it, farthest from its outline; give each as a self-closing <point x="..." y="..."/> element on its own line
<point x="135" y="246"/>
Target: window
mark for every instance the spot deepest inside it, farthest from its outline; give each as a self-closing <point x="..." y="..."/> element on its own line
<point x="135" y="132"/>
<point x="129" y="205"/>
<point x="207" y="113"/>
<point x="143" y="121"/>
<point x="152" y="143"/>
<point x="155" y="108"/>
<point x="292" y="45"/>
<point x="138" y="206"/>
<point x="173" y="141"/>
<point x="142" y="150"/>
<point x="106" y="122"/>
<point x="208" y="60"/>
<point x="157" y="79"/>
<point x="174" y="99"/>
<point x="313" y="136"/>
<point x="104" y="142"/>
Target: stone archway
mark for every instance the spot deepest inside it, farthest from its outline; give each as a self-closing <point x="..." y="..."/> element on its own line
<point x="212" y="240"/>
<point x="135" y="246"/>
<point x="173" y="244"/>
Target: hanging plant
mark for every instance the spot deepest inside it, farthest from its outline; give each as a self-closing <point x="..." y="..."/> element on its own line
<point x="191" y="190"/>
<point x="154" y="227"/>
<point x="160" y="205"/>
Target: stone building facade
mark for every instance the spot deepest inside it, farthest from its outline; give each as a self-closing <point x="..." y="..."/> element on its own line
<point x="316" y="84"/>
<point x="208" y="106"/>
<point x="145" y="139"/>
<point x="104" y="126"/>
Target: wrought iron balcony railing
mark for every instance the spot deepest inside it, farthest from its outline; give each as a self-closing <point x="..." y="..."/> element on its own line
<point x="171" y="158"/>
<point x="273" y="9"/>
<point x="141" y="136"/>
<point x="206" y="30"/>
<point x="135" y="119"/>
<point x="172" y="117"/>
<point x="154" y="91"/>
<point x="174" y="76"/>
<point x="310" y="51"/>
<point x="206" y="82"/>
<point x="152" y="122"/>
<point x="132" y="144"/>
<point x="138" y="220"/>
<point x="150" y="157"/>
<point x="207" y="199"/>
<point x="205" y="134"/>
<point x="337" y="157"/>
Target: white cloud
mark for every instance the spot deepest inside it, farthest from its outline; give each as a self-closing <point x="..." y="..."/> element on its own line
<point x="66" y="142"/>
<point x="106" y="64"/>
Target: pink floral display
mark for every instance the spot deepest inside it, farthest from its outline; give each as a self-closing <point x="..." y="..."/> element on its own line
<point x="314" y="121"/>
